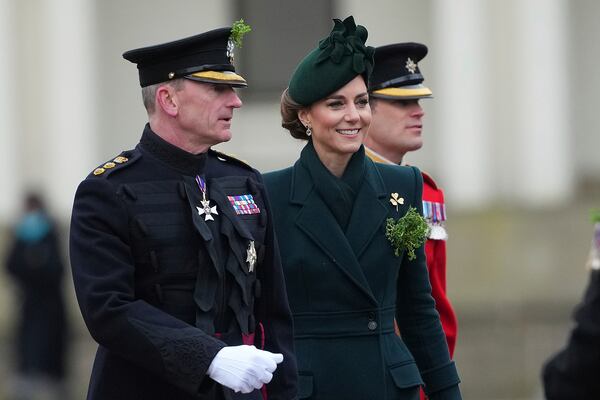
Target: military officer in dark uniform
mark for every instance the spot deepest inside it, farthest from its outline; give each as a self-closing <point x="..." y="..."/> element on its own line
<point x="174" y="259"/>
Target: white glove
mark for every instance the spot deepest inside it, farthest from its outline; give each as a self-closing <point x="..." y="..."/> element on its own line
<point x="243" y="368"/>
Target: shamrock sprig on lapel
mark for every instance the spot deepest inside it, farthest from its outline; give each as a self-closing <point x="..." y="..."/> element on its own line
<point x="407" y="233"/>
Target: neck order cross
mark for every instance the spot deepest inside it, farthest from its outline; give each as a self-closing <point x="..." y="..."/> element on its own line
<point x="206" y="209"/>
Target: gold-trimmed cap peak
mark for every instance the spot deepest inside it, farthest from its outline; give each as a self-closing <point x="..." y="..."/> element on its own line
<point x="221" y="77"/>
<point x="405" y="92"/>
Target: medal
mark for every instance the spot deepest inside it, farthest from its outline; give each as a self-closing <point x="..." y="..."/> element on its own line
<point x="435" y="214"/>
<point x="244" y="204"/>
<point x="251" y="256"/>
<point x="206" y="209"/>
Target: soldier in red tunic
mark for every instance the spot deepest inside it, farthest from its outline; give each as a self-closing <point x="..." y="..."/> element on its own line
<point x="395" y="89"/>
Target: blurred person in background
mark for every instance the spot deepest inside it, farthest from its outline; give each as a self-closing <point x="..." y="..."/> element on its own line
<point x="36" y="265"/>
<point x="395" y="89"/>
<point x="347" y="279"/>
<point x="572" y="373"/>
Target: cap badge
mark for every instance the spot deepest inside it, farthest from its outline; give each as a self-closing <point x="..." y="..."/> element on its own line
<point x="411" y="66"/>
<point x="230" y="48"/>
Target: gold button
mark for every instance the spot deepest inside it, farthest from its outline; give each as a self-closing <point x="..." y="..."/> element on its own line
<point x="120" y="159"/>
<point x="110" y="165"/>
<point x="99" y="171"/>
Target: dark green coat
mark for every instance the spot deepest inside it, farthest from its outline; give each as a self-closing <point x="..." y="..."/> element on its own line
<point x="346" y="288"/>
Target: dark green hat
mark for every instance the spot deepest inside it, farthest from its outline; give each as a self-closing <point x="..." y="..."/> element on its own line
<point x="207" y="57"/>
<point x="339" y="58"/>
<point x="396" y="74"/>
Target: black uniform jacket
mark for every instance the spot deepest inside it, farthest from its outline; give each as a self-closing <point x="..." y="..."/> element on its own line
<point x="161" y="289"/>
<point x="346" y="288"/>
<point x="573" y="372"/>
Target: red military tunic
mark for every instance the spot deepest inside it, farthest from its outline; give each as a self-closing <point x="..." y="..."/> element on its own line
<point x="434" y="211"/>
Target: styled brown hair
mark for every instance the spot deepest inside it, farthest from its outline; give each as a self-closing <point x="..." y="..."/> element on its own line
<point x="289" y="116"/>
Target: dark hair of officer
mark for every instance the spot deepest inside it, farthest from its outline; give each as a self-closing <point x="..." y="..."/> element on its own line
<point x="337" y="60"/>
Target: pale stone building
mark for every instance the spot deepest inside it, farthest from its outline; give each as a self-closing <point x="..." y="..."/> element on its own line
<point x="512" y="126"/>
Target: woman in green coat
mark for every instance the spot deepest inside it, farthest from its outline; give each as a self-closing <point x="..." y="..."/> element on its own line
<point x="351" y="235"/>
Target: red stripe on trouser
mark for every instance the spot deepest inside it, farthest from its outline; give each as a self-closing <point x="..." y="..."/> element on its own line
<point x="263" y="389"/>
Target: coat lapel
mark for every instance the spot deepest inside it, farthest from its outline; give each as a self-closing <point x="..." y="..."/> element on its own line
<point x="370" y="210"/>
<point x="317" y="222"/>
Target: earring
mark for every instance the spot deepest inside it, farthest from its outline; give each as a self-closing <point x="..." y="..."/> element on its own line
<point x="308" y="130"/>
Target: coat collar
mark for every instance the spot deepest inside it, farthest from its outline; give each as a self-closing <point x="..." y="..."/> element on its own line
<point x="368" y="215"/>
<point x="375" y="156"/>
<point x="187" y="163"/>
<point x="302" y="184"/>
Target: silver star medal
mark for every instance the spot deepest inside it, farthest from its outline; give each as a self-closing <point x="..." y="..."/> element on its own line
<point x="251" y="256"/>
<point x="206" y="209"/>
